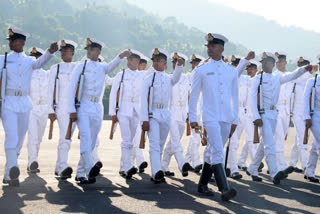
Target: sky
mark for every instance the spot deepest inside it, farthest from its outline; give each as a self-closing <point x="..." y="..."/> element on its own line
<point x="304" y="14"/>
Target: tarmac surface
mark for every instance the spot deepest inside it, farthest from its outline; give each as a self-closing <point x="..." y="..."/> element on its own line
<point x="43" y="193"/>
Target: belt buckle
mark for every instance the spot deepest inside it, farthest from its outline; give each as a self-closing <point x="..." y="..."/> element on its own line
<point x="272" y="107"/>
<point x="132" y="99"/>
<point x="284" y="102"/>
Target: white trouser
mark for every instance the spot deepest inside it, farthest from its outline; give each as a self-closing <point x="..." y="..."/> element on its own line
<point x="137" y="153"/>
<point x="89" y="126"/>
<point x="266" y="147"/>
<point x="315" y="149"/>
<point x="281" y="130"/>
<point x="15" y="127"/>
<point x="64" y="145"/>
<point x="159" y="129"/>
<point x="245" y="124"/>
<point x="128" y="127"/>
<point x="248" y="148"/>
<point x="95" y="154"/>
<point x="218" y="133"/>
<point x="299" y="150"/>
<point x="192" y="156"/>
<point x="173" y="146"/>
<point x="37" y="125"/>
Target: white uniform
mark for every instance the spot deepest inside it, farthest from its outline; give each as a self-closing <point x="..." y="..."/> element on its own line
<point x="299" y="150"/>
<point x="90" y="111"/>
<point x="283" y="120"/>
<point x="218" y="83"/>
<point x="315" y="128"/>
<point x="61" y="111"/>
<point x="192" y="156"/>
<point x="39" y="113"/>
<point x="128" y="114"/>
<point x="178" y="110"/>
<point x="95" y="155"/>
<point x="245" y="124"/>
<point x="17" y="104"/>
<point x="270" y="90"/>
<point x="160" y="121"/>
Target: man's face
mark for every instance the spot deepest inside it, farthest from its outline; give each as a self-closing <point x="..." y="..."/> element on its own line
<point x="142" y="66"/>
<point x="268" y="65"/>
<point x="93" y="53"/>
<point x="215" y="50"/>
<point x="194" y="64"/>
<point x="281" y="64"/>
<point x="159" y="63"/>
<point x="251" y="71"/>
<point x="16" y="45"/>
<point x="133" y="63"/>
<point x="67" y="54"/>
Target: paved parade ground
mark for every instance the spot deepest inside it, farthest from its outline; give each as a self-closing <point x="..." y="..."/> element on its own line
<point x="43" y="193"/>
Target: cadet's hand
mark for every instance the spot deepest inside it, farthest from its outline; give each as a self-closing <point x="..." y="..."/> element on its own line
<point x="73" y="116"/>
<point x="193" y="125"/>
<point x="125" y="54"/>
<point x="308" y="123"/>
<point x="258" y="123"/>
<point x="251" y="55"/>
<point x="53" y="47"/>
<point x="315" y="68"/>
<point x="233" y="128"/>
<point x="145" y="126"/>
<point x="180" y="61"/>
<point x="114" y="118"/>
<point x="52" y="117"/>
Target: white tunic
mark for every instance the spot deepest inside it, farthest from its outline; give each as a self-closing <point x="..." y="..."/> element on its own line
<point x="19" y="71"/>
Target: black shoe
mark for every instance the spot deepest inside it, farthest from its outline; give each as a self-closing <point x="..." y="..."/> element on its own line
<point x="94" y="172"/>
<point x="131" y="172"/>
<point x="56" y="173"/>
<point x="278" y="177"/>
<point x="236" y="176"/>
<point x="33" y="167"/>
<point x="289" y="170"/>
<point x="261" y="167"/>
<point x="99" y="164"/>
<point x="227" y="192"/>
<point x="243" y="168"/>
<point x="268" y="172"/>
<point x="204" y="190"/>
<point x="158" y="177"/>
<point x="185" y="168"/>
<point x="82" y="180"/>
<point x="198" y="168"/>
<point x="169" y="174"/>
<point x="228" y="172"/>
<point x="142" y="166"/>
<point x="122" y="174"/>
<point x="66" y="173"/>
<point x="11" y="183"/>
<point x="312" y="179"/>
<point x="14" y="173"/>
<point x="297" y="170"/>
<point x="256" y="178"/>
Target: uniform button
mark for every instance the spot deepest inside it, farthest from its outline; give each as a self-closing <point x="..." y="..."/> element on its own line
<point x="219" y="73"/>
<point x="221" y="92"/>
<point x="220" y="83"/>
<point x="19" y="64"/>
<point x="19" y="75"/>
<point x="221" y="102"/>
